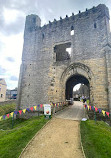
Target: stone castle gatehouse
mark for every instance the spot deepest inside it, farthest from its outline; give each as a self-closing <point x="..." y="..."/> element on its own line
<point x="61" y="54"/>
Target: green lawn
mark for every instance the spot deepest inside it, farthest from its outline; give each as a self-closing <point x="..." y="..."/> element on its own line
<point x="12" y="141"/>
<point x="96" y="139"/>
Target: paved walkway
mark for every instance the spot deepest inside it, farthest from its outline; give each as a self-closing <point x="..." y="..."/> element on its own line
<point x="60" y="138"/>
<point x="73" y="112"/>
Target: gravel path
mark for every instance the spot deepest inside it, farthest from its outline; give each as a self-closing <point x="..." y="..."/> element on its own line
<point x="60" y="138"/>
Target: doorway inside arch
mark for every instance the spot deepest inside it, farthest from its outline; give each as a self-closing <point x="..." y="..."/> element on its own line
<point x="83" y="87"/>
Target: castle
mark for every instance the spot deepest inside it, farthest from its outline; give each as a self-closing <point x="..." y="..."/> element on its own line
<point x="63" y="53"/>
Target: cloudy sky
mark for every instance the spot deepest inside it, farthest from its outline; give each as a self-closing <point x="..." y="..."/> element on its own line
<point x="12" y="21"/>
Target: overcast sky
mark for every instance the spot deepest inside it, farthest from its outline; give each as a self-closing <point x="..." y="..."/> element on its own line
<point x="12" y="21"/>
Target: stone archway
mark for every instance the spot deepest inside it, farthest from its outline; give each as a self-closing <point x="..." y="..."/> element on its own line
<point x="74" y="80"/>
<point x="77" y="70"/>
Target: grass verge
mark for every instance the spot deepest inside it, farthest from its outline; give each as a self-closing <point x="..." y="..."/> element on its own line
<point x="12" y="141"/>
<point x="96" y="139"/>
<point x="5" y="109"/>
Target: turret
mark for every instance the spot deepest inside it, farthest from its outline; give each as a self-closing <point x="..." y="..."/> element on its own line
<point x="32" y="21"/>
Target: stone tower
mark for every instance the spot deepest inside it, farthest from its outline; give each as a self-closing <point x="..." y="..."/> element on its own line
<point x="61" y="54"/>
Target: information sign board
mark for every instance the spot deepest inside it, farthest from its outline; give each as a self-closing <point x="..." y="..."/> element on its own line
<point x="47" y="109"/>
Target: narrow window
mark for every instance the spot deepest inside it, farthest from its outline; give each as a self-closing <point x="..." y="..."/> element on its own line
<point x="95" y="26"/>
<point x="72" y="30"/>
<point x="1" y="95"/>
<point x="42" y="36"/>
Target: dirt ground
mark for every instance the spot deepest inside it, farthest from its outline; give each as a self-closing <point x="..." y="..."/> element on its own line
<point x="60" y="138"/>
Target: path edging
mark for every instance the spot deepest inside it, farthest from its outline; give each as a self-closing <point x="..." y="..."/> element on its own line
<point x="82" y="145"/>
<point x="32" y="139"/>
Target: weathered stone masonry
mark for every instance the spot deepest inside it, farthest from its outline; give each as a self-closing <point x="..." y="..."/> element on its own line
<point x="46" y="65"/>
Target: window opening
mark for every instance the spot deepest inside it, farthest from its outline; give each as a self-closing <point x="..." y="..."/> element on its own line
<point x="63" y="51"/>
<point x="69" y="51"/>
<point x="72" y="30"/>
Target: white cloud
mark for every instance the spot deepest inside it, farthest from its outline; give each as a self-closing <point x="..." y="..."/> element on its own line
<point x="50" y="10"/>
<point x="10" y="15"/>
<point x="13" y="48"/>
<point x="12" y="45"/>
<point x="11" y="84"/>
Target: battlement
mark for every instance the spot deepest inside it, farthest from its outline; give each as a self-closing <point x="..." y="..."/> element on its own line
<point x="97" y="12"/>
<point x="101" y="8"/>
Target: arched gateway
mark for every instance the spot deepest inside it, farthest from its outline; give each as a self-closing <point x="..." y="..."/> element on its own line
<point x="63" y="53"/>
<point x="74" y="74"/>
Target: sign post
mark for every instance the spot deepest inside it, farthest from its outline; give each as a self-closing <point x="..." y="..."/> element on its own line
<point x="47" y="110"/>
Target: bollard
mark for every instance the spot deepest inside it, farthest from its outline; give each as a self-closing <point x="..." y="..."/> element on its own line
<point x="94" y="115"/>
<point x="13" y="120"/>
<point x="38" y="111"/>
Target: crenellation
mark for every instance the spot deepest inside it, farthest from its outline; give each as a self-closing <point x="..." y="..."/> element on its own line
<point x="55" y="20"/>
<point x="60" y="18"/>
<point x="49" y="22"/>
<point x="36" y="24"/>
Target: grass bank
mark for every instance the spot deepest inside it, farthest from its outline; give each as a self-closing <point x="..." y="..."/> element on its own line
<point x="5" y="109"/>
<point x="96" y="139"/>
<point x="12" y="141"/>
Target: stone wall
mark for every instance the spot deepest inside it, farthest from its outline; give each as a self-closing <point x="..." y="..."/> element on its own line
<point x="41" y="74"/>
